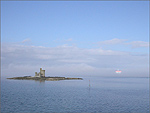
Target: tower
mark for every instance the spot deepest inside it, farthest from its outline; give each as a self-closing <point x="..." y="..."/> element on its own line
<point x="40" y="74"/>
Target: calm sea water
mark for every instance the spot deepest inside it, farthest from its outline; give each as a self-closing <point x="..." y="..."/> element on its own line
<point x="100" y="94"/>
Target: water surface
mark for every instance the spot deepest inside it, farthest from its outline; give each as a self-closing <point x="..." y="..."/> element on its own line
<point x="92" y="94"/>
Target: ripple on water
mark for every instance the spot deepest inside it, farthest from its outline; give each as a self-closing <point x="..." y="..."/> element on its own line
<point x="75" y="96"/>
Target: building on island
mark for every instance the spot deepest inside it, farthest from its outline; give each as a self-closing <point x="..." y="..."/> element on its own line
<point x="40" y="74"/>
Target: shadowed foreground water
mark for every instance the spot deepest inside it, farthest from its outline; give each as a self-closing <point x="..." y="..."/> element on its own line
<point x="104" y="94"/>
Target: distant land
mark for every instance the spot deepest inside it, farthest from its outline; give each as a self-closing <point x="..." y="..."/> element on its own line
<point x="44" y="78"/>
<point x="41" y="77"/>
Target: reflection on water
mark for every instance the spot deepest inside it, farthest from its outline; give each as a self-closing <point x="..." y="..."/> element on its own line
<point x="92" y="94"/>
<point x="40" y="81"/>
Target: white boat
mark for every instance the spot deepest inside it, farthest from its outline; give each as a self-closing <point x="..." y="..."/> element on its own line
<point x="118" y="71"/>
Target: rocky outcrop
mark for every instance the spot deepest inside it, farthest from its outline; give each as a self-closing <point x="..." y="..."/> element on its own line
<point x="44" y="78"/>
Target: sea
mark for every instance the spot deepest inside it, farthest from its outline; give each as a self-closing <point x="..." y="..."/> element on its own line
<point x="92" y="94"/>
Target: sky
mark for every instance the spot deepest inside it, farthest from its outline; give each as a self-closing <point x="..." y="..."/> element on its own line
<point x="75" y="38"/>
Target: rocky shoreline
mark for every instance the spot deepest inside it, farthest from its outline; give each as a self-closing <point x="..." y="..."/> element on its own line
<point x="44" y="78"/>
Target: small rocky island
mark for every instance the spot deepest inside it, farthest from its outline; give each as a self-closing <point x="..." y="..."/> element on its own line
<point x="41" y="77"/>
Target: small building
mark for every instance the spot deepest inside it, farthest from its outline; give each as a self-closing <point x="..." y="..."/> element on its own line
<point x="40" y="74"/>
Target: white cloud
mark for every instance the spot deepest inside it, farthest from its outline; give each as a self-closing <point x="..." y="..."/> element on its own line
<point x="26" y="40"/>
<point x="137" y="44"/>
<point x="70" y="39"/>
<point x="123" y="42"/>
<point x="112" y="41"/>
<point x="19" y="60"/>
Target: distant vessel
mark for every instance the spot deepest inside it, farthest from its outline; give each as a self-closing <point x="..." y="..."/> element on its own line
<point x="118" y="71"/>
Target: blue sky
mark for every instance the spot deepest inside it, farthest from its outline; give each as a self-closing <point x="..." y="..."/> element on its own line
<point x="121" y="27"/>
